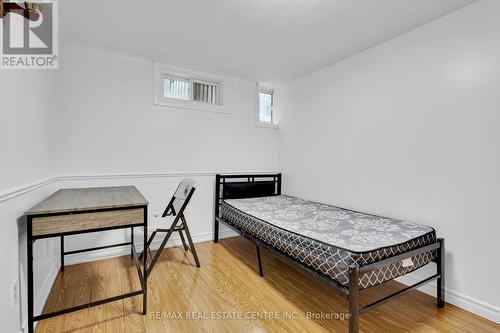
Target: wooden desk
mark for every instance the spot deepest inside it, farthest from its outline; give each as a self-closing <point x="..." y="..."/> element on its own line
<point x="86" y="210"/>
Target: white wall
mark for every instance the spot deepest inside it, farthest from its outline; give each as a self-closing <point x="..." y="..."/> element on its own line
<point x="409" y="129"/>
<point x="26" y="170"/>
<point x="26" y="119"/>
<point x="108" y="125"/>
<point x="108" y="122"/>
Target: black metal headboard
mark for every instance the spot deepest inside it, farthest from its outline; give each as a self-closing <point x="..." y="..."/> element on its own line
<point x="245" y="186"/>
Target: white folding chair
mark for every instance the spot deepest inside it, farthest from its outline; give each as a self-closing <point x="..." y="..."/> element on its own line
<point x="175" y="207"/>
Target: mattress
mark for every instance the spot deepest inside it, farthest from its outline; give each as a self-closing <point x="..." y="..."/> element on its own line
<point x="330" y="239"/>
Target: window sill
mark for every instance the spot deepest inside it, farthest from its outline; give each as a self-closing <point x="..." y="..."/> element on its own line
<point x="191" y="105"/>
<point x="267" y="125"/>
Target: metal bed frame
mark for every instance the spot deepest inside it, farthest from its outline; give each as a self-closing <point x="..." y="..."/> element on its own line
<point x="261" y="185"/>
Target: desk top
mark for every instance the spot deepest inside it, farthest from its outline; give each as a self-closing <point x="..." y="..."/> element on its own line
<point x="83" y="199"/>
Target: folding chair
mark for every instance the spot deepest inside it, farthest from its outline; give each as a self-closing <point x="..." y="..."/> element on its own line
<point x="176" y="208"/>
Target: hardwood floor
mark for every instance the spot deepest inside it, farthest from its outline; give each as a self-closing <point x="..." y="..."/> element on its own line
<point x="228" y="284"/>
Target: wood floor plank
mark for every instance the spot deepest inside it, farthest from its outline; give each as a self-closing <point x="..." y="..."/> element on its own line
<point x="60" y="297"/>
<point x="82" y="280"/>
<point x="96" y="315"/>
<point x="107" y="317"/>
<point x="171" y="283"/>
<point x="132" y="306"/>
<point x="286" y="284"/>
<point x="228" y="282"/>
<point x="238" y="277"/>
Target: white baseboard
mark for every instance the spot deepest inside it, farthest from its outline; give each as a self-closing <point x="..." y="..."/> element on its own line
<point x="465" y="302"/>
<point x="46" y="288"/>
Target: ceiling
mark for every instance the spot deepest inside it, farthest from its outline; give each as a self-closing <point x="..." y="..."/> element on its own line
<point x="268" y="40"/>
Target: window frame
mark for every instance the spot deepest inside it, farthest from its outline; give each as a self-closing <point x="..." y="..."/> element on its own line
<point x="162" y="71"/>
<point x="265" y="89"/>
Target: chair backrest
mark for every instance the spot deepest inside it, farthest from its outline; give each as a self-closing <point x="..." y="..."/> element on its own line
<point x="181" y="197"/>
<point x="184" y="188"/>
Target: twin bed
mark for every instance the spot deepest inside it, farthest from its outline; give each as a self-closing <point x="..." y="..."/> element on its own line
<point x="347" y="249"/>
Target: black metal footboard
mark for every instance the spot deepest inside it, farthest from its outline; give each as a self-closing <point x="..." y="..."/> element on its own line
<point x="354" y="272"/>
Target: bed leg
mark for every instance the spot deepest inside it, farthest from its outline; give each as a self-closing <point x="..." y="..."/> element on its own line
<point x="216" y="231"/>
<point x="354" y="300"/>
<point x="217" y="203"/>
<point x="259" y="259"/>
<point x="440" y="270"/>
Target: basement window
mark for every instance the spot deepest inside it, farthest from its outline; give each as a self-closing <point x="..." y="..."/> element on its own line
<point x="265" y="112"/>
<point x="176" y="88"/>
<point x="205" y="92"/>
<point x="187" y="89"/>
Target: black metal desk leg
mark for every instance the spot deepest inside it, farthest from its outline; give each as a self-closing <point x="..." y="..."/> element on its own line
<point x="440" y="270"/>
<point x="131" y="242"/>
<point x="29" y="256"/>
<point x="354" y="300"/>
<point x="62" y="253"/>
<point x="145" y="272"/>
